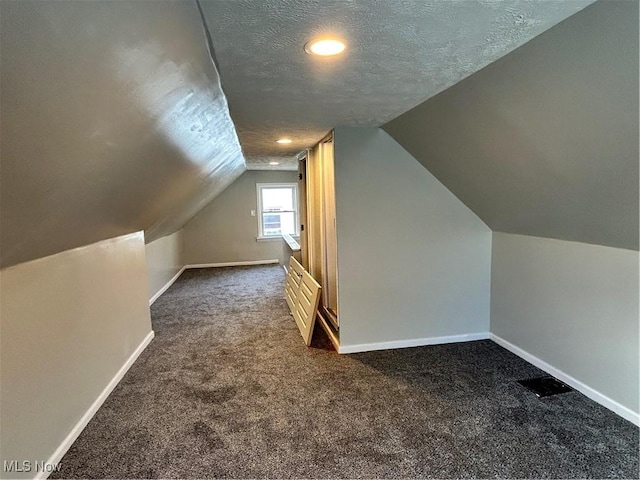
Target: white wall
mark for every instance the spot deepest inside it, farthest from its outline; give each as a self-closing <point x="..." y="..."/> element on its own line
<point x="573" y="306"/>
<point x="224" y="231"/>
<point x="164" y="261"/>
<point x="70" y="322"/>
<point x="414" y="263"/>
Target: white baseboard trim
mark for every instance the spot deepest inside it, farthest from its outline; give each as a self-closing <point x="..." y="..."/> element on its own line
<point x="209" y="265"/>
<point x="88" y="415"/>
<point x="233" y="264"/>
<point x="164" y="289"/>
<point x="414" y="342"/>
<point x="588" y="391"/>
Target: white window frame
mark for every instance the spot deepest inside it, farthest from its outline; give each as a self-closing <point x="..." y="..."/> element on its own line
<point x="296" y="213"/>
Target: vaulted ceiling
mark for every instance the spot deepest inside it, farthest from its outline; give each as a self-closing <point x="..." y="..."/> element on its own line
<point x="113" y="121"/>
<point x="532" y="123"/>
<point x="113" y="118"/>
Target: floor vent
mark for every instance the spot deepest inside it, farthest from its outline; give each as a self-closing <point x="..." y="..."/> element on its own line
<point x="545" y="386"/>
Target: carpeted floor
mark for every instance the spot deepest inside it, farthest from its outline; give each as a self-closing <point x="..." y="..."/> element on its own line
<point x="228" y="389"/>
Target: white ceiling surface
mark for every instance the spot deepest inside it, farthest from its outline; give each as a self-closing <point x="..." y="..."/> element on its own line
<point x="399" y="54"/>
<point x="263" y="163"/>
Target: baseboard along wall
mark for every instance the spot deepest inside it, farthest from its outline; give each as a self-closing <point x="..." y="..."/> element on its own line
<point x="167" y="285"/>
<point x="208" y="265"/>
<point x="586" y="390"/>
<point x="91" y="411"/>
<point x="233" y="264"/>
<point x="413" y="342"/>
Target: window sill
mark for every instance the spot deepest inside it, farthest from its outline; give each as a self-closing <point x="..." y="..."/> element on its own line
<point x="269" y="239"/>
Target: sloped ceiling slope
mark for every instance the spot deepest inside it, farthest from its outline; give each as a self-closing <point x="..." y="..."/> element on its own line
<point x="544" y="142"/>
<point x="112" y="121"/>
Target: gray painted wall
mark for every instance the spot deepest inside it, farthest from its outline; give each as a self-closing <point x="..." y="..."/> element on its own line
<point x="164" y="260"/>
<point x="225" y="231"/>
<point x="574" y="306"/>
<point x="413" y="261"/>
<point x="544" y="141"/>
<point x="112" y="121"/>
<point x="69" y="323"/>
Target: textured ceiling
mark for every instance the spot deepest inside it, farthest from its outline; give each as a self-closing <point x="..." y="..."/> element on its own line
<point x="263" y="163"/>
<point x="399" y="53"/>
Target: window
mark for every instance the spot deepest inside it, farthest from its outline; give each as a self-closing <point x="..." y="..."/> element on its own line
<point x="278" y="209"/>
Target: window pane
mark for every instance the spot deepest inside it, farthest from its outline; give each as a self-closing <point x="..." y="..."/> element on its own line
<point x="278" y="223"/>
<point x="276" y="199"/>
<point x="287" y="223"/>
<point x="271" y="224"/>
<point x="278" y="215"/>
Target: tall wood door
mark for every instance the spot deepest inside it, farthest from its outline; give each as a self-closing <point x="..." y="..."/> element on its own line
<point x="329" y="237"/>
<point x="322" y="255"/>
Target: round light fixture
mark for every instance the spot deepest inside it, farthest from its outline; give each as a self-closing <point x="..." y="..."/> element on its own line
<point x="274" y="163"/>
<point x="284" y="141"/>
<point x="324" y="47"/>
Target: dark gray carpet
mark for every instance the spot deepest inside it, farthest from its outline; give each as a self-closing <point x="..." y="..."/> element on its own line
<point x="228" y="389"/>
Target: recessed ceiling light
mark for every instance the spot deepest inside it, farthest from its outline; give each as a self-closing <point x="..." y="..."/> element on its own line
<point x="274" y="163"/>
<point x="324" y="47"/>
<point x="284" y="140"/>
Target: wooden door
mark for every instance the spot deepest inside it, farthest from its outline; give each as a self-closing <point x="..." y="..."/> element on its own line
<point x="320" y="227"/>
<point x="302" y="293"/>
<point x="329" y="237"/>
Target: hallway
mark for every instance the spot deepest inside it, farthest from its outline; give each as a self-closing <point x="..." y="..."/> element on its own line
<point x="228" y="389"/>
